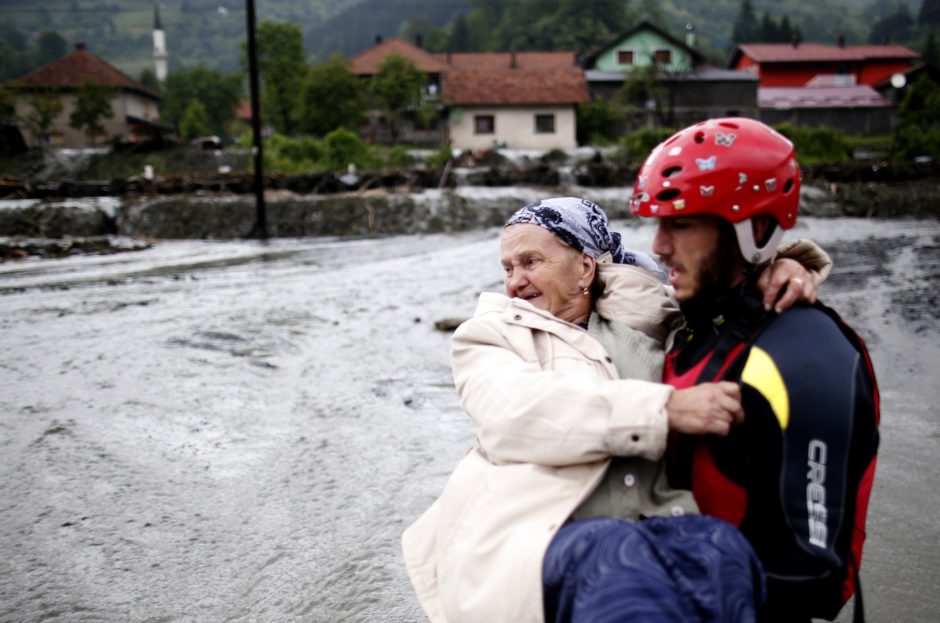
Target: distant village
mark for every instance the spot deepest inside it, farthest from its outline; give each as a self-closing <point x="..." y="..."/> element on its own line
<point x="517" y="100"/>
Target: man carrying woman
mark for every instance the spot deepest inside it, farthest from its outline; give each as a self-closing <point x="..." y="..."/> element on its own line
<point x="561" y="511"/>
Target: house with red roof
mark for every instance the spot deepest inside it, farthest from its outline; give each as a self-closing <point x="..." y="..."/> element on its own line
<point x="796" y="64"/>
<point x="134" y="106"/>
<point x="521" y="100"/>
<point x="813" y="84"/>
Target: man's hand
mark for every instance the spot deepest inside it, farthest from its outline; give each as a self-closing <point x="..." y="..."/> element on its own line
<point x="786" y="282"/>
<point x="707" y="408"/>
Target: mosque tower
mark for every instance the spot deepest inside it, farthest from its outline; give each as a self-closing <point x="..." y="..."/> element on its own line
<point x="159" y="44"/>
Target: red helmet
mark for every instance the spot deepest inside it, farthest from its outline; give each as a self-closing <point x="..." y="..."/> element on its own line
<point x="735" y="168"/>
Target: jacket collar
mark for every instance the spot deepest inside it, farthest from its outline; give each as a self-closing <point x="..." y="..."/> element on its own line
<point x="520" y="312"/>
<point x="638" y="298"/>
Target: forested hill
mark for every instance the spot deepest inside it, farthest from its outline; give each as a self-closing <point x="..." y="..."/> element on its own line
<point x="210" y="32"/>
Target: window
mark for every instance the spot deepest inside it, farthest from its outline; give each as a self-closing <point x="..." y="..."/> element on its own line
<point x="544" y="124"/>
<point x="662" y="57"/>
<point x="484" y="124"/>
<point x="625" y="57"/>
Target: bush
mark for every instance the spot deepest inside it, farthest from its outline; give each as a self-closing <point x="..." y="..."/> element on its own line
<point x="918" y="130"/>
<point x="818" y="145"/>
<point x="438" y="160"/>
<point x="289" y="155"/>
<point x="398" y="157"/>
<point x="912" y="142"/>
<point x="637" y="145"/>
<point x="333" y="152"/>
<point x="343" y="147"/>
<point x="598" y="122"/>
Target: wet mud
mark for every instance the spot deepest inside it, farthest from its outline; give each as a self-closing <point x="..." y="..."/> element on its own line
<point x="231" y="431"/>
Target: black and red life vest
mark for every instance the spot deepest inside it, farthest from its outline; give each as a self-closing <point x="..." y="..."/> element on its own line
<point x="796" y="476"/>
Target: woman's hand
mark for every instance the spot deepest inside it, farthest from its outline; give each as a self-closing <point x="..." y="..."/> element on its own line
<point x="786" y="282"/>
<point x="707" y="408"/>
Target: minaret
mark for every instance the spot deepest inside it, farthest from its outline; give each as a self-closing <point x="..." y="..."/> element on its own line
<point x="159" y="44"/>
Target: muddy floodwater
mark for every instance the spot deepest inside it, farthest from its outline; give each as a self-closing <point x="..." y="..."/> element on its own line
<point x="232" y="431"/>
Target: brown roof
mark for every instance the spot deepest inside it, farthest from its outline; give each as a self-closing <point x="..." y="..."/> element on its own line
<point x="514" y="86"/>
<point x="807" y="52"/>
<point x="500" y="60"/>
<point x="71" y="71"/>
<point x="367" y="62"/>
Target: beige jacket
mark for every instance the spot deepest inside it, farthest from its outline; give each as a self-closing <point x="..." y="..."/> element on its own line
<point x="549" y="411"/>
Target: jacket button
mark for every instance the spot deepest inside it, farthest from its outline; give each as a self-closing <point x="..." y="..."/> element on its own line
<point x="517" y="317"/>
<point x="629" y="480"/>
<point x="677" y="511"/>
<point x="635" y="437"/>
<point x="608" y="359"/>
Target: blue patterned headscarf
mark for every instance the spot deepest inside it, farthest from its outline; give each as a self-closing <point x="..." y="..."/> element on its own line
<point x="582" y="225"/>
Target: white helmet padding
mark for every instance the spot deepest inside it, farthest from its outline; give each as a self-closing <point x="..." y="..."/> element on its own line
<point x="749" y="249"/>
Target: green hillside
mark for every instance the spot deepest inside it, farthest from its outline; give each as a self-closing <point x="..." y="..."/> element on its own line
<point x="210" y="32"/>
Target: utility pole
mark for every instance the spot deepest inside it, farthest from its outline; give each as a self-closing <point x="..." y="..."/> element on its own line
<point x="260" y="228"/>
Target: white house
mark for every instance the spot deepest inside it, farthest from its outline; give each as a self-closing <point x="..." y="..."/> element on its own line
<point x="134" y="106"/>
<point x="524" y="100"/>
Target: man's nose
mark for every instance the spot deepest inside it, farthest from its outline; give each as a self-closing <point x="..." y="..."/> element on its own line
<point x="661" y="245"/>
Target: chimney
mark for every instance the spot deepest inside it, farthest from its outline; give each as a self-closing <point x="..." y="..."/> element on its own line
<point x="512" y="59"/>
<point x="690" y="35"/>
<point x="79" y="47"/>
<point x="450" y="57"/>
<point x="419" y="41"/>
<point x="841" y="40"/>
<point x="795" y="41"/>
<point x="378" y="39"/>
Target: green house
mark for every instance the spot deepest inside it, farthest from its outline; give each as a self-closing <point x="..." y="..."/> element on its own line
<point x="643" y="45"/>
<point x="682" y="90"/>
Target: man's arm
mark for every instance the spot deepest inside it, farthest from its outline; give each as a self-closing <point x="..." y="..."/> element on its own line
<point x="808" y="400"/>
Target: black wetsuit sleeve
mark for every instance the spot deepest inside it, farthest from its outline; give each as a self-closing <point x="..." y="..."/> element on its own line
<point x="807" y="395"/>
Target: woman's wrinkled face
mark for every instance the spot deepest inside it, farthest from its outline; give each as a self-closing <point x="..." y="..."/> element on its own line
<point x="543" y="270"/>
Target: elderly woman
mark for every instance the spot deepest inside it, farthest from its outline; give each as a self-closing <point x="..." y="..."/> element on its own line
<point x="540" y="520"/>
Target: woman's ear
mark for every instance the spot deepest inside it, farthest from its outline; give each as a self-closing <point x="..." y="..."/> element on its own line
<point x="588" y="271"/>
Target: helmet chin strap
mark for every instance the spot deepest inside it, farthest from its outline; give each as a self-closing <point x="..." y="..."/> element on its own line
<point x="749" y="249"/>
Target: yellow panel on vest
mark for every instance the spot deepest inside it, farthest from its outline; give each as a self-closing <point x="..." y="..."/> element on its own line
<point x="760" y="372"/>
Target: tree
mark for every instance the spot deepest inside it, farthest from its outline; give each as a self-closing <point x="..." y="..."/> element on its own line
<point x="598" y="122"/>
<point x="148" y="78"/>
<point x="217" y="91"/>
<point x="482" y="19"/>
<point x="931" y="54"/>
<point x="195" y="121"/>
<point x="15" y="59"/>
<point x="929" y="14"/>
<point x="92" y="105"/>
<point x="282" y="68"/>
<point x="644" y="90"/>
<point x="918" y="131"/>
<point x="769" y="31"/>
<point x="894" y="27"/>
<point x="331" y="97"/>
<point x="420" y="31"/>
<point x="576" y="24"/>
<point x="459" y="35"/>
<point x="49" y="47"/>
<point x="786" y="30"/>
<point x="397" y="86"/>
<point x="45" y="107"/>
<point x="746" y="28"/>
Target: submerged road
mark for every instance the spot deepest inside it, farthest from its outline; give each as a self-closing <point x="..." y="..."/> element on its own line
<point x="240" y="432"/>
